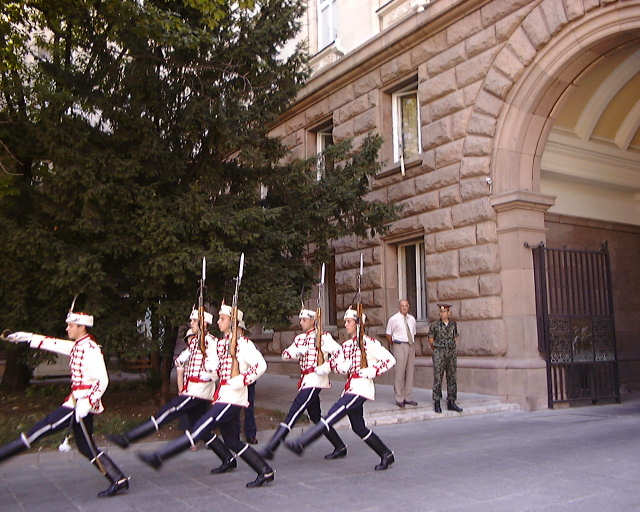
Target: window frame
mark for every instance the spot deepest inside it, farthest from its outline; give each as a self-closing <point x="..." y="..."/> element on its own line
<point x="421" y="306"/>
<point x="396" y="96"/>
<point x="331" y="21"/>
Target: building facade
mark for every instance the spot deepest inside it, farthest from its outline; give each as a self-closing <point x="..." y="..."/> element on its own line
<point x="506" y="124"/>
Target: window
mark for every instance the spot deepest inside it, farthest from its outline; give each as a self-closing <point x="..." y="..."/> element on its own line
<point x="327" y="22"/>
<point x="411" y="278"/>
<point x="329" y="299"/>
<point x="405" y="111"/>
<point x="324" y="139"/>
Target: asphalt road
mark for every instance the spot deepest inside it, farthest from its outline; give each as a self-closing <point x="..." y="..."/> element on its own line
<point x="585" y="459"/>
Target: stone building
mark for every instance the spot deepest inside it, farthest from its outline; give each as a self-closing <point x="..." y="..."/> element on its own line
<point x="505" y="123"/>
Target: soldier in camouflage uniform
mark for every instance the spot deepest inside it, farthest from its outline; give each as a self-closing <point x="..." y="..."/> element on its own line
<point x="442" y="338"/>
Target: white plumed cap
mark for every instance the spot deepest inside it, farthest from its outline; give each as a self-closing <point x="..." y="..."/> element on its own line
<point x="80" y="319"/>
<point x="208" y="317"/>
<point x="307" y="313"/>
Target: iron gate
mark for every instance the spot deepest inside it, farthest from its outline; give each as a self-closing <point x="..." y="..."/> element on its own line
<point x="576" y="330"/>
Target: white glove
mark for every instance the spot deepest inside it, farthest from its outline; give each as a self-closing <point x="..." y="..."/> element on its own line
<point x="236" y="383"/>
<point x="323" y="369"/>
<point x="83" y="407"/>
<point x="20" y="337"/>
<point x="367" y="373"/>
<point x="329" y="345"/>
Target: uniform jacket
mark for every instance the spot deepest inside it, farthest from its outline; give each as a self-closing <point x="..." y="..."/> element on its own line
<point x="250" y="362"/>
<point x="444" y="335"/>
<point x="197" y="381"/>
<point x="89" y="377"/>
<point x="305" y="351"/>
<point x="347" y="361"/>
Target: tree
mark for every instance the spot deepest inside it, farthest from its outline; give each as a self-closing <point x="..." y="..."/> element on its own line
<point x="136" y="135"/>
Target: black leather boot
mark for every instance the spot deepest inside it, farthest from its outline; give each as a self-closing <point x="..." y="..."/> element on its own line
<point x="228" y="460"/>
<point x="386" y="455"/>
<point x="298" y="445"/>
<point x="170" y="449"/>
<point x="142" y="430"/>
<point x="339" y="448"/>
<point x="436" y="406"/>
<point x="451" y="406"/>
<point x="14" y="447"/>
<point x="119" y="482"/>
<point x="259" y="465"/>
<point x="278" y="436"/>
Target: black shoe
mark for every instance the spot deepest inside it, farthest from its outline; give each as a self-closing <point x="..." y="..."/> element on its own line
<point x="400" y="404"/>
<point x="295" y="446"/>
<point x="387" y="460"/>
<point x="436" y="406"/>
<point x="338" y="453"/>
<point x="252" y="440"/>
<point x="150" y="459"/>
<point x="451" y="406"/>
<point x="410" y="402"/>
<point x="262" y="479"/>
<point x="115" y="488"/>
<point x="229" y="465"/>
<point x="120" y="440"/>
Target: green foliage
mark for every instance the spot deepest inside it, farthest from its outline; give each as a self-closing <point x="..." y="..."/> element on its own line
<point x="135" y="140"/>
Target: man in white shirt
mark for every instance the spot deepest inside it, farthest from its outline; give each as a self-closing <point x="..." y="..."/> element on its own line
<point x="401" y="334"/>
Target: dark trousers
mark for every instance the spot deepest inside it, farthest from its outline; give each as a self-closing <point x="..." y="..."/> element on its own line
<point x="250" y="429"/>
<point x="307" y="399"/>
<point x="61" y="418"/>
<point x="188" y="408"/>
<point x="223" y="416"/>
<point x="351" y="405"/>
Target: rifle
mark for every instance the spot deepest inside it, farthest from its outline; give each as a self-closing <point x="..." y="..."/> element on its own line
<point x="201" y="322"/>
<point x="360" y="326"/>
<point x="320" y="359"/>
<point x="233" y="344"/>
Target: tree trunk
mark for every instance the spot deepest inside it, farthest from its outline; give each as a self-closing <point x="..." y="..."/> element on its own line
<point x="16" y="373"/>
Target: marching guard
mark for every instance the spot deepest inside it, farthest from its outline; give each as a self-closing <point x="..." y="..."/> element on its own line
<point x="358" y="389"/>
<point x="237" y="363"/>
<point x="196" y="387"/>
<point x="89" y="381"/>
<point x="313" y="379"/>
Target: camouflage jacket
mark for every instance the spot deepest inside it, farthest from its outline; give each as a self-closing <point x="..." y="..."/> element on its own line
<point x="444" y="335"/>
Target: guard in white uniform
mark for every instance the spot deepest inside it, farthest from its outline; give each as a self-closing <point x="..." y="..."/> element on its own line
<point x="313" y="379"/>
<point x="358" y="389"/>
<point x="194" y="398"/>
<point x="89" y="381"/>
<point x="228" y="399"/>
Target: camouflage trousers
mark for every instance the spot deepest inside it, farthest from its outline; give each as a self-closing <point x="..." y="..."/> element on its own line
<point x="444" y="360"/>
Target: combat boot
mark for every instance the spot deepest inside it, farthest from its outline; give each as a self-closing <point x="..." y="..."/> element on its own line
<point x="298" y="445"/>
<point x="436" y="406"/>
<point x="228" y="460"/>
<point x="259" y="465"/>
<point x="278" y="436"/>
<point x="119" y="482"/>
<point x="451" y="406"/>
<point x="14" y="447"/>
<point x="386" y="455"/>
<point x="170" y="449"/>
<point x="142" y="430"/>
<point x="339" y="448"/>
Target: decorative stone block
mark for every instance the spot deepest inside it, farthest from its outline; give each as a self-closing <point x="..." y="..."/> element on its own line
<point x="442" y="265"/>
<point x="536" y="28"/>
<point x="464" y="28"/>
<point x="395" y="68"/>
<point x="481" y="41"/>
<point x="498" y="9"/>
<point x="482" y="337"/>
<point x="401" y="190"/>
<point x="436" y="133"/>
<point x="481" y="124"/>
<point x="475" y="166"/>
<point x="477" y="145"/>
<point x="446" y="59"/>
<point x="486" y="232"/>
<point x="367" y="83"/>
<point x="430" y="243"/>
<point x="488" y="103"/>
<point x="479" y="259"/>
<point x="460" y="288"/>
<point x="472" y="188"/>
<point x="436" y="220"/>
<point x="449" y="153"/>
<point x="573" y="8"/>
<point x="455" y="238"/>
<point x="459" y="121"/>
<point x="497" y="84"/>
<point x="481" y="308"/>
<point x="470" y="93"/>
<point x="509" y="64"/>
<point x="521" y="46"/>
<point x="365" y="122"/>
<point x="353" y="108"/>
<point x="449" y="195"/>
<point x="475" y="68"/>
<point x="490" y="284"/>
<point x="554" y="14"/>
<point x="429" y="48"/>
<point x="438" y="86"/>
<point x="343" y="131"/>
<point x="506" y="26"/>
<point x="420" y="203"/>
<point x="447" y="105"/>
<point x="438" y="178"/>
